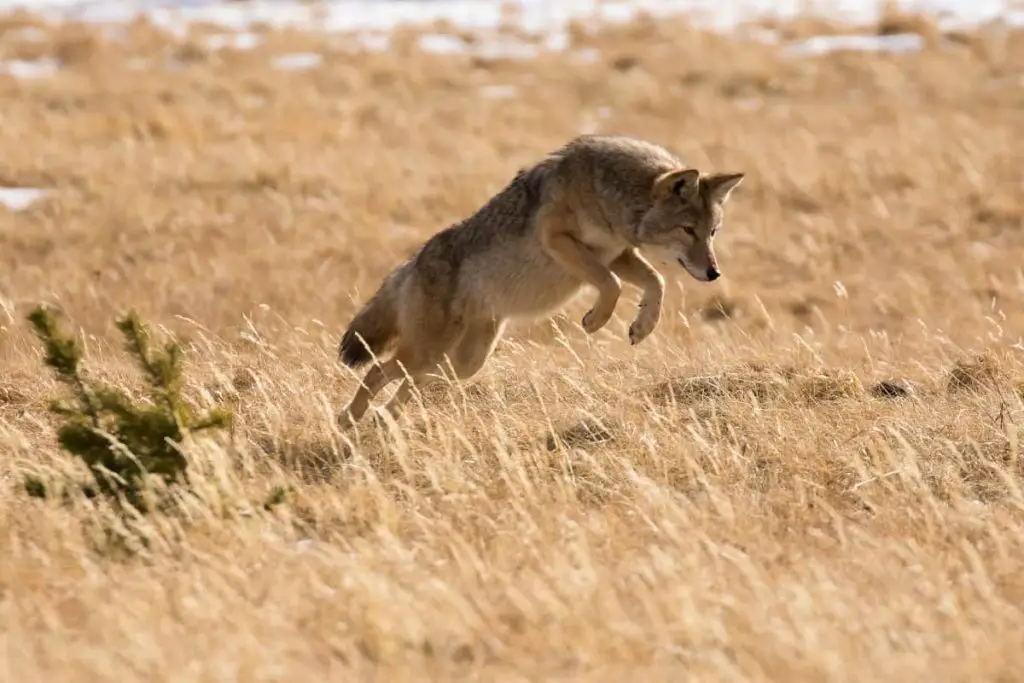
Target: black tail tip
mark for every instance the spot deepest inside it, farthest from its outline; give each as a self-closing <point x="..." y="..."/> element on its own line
<point x="352" y="351"/>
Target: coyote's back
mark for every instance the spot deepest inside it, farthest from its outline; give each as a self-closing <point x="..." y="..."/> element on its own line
<point x="445" y="264"/>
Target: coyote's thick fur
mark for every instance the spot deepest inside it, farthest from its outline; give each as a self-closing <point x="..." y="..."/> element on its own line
<point x="581" y="215"/>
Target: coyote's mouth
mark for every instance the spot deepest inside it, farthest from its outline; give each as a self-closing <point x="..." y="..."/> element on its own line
<point x="690" y="270"/>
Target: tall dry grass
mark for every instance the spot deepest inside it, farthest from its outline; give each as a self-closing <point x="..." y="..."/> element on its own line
<point x="811" y="471"/>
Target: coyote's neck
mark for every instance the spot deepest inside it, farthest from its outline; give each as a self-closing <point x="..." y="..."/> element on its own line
<point x="630" y="228"/>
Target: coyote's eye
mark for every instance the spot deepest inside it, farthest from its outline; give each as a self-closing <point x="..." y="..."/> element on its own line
<point x="688" y="229"/>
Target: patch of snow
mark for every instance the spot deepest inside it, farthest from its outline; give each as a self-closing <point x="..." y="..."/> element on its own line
<point x="441" y="44"/>
<point x="369" y="22"/>
<point x="819" y="45"/>
<point x="492" y="48"/>
<point x="505" y="49"/>
<point x="40" y="68"/>
<point x="534" y="15"/>
<point x="497" y="47"/>
<point x="19" y="198"/>
<point x="242" y="40"/>
<point x="298" y="61"/>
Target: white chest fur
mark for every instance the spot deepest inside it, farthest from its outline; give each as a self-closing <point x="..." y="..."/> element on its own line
<point x="604" y="243"/>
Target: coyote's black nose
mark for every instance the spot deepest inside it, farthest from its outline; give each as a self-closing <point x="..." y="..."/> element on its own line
<point x="713" y="274"/>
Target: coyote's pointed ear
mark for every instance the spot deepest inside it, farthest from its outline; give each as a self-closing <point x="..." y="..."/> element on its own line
<point x="682" y="182"/>
<point x="717" y="187"/>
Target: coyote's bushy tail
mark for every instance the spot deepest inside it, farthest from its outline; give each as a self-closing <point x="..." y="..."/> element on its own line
<point x="376" y="323"/>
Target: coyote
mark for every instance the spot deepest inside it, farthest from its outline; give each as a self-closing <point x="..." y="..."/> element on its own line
<point x="581" y="215"/>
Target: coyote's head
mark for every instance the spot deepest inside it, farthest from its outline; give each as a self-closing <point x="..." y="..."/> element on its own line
<point x="687" y="213"/>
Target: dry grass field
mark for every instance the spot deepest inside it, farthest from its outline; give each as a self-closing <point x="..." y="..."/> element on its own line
<point x="810" y="472"/>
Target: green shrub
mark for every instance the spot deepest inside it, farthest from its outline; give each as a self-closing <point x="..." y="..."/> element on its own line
<point x="123" y="442"/>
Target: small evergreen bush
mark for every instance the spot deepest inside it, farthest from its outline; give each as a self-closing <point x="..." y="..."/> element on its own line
<point x="121" y="441"/>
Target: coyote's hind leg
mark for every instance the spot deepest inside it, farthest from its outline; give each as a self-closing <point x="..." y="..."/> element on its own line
<point x="467" y="357"/>
<point x="379" y="376"/>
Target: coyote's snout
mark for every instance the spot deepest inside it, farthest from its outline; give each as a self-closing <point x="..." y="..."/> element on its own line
<point x="586" y="214"/>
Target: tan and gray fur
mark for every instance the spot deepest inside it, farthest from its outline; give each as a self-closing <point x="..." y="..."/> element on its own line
<point x="583" y="215"/>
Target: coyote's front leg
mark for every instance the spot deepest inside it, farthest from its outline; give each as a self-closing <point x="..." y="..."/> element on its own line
<point x="633" y="268"/>
<point x="556" y="227"/>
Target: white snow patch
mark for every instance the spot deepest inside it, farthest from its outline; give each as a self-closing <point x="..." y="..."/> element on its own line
<point x="441" y="44"/>
<point x="371" y="21"/>
<point x="19" y="198"/>
<point x="819" y="45"/>
<point x="298" y="61"/>
<point x="40" y="68"/>
<point x="496" y="47"/>
<point x="242" y="40"/>
<point x="534" y="15"/>
<point x="492" y="49"/>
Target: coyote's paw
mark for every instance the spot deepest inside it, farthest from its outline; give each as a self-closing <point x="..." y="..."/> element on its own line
<point x="644" y="324"/>
<point x="595" y="319"/>
<point x="344" y="421"/>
